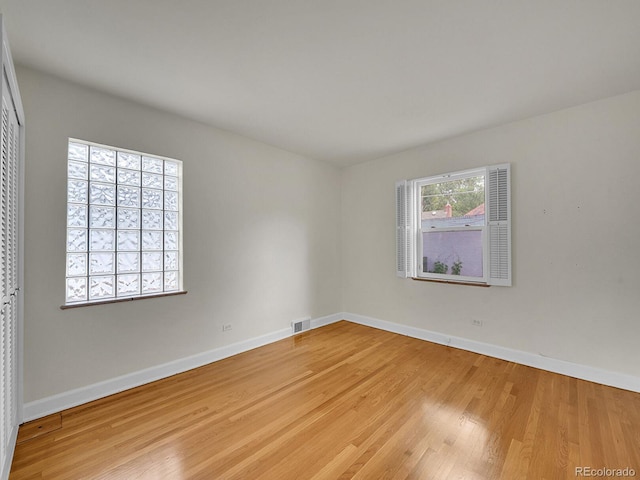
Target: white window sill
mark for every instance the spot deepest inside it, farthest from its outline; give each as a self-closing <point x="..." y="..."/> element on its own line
<point x="120" y="300"/>
<point x="454" y="282"/>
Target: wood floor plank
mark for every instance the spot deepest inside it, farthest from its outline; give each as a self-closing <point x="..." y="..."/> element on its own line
<point x="39" y="427"/>
<point x="342" y="402"/>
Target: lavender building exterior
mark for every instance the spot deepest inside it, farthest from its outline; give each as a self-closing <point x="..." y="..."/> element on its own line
<point x="463" y="247"/>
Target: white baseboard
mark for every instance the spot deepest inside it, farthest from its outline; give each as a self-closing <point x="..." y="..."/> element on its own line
<point x="584" y="372"/>
<point x="328" y="320"/>
<point x="73" y="398"/>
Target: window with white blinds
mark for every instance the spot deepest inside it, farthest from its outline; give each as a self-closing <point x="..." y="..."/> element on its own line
<point x="124" y="224"/>
<point x="455" y="227"/>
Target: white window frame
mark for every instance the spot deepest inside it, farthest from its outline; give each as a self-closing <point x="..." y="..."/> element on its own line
<point x="496" y="231"/>
<point x="418" y="184"/>
<point x="171" y="279"/>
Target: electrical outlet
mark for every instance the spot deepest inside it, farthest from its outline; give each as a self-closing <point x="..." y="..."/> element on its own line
<point x="226" y="327"/>
<point x="476" y="322"/>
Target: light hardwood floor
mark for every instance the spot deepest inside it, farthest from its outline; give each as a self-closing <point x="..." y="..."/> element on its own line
<point x="343" y="401"/>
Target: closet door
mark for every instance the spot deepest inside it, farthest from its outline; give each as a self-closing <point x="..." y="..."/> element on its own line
<point x="12" y="129"/>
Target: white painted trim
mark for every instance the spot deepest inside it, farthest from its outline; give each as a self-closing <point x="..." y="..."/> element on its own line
<point x="11" y="447"/>
<point x="328" y="320"/>
<point x="7" y="69"/>
<point x="72" y="398"/>
<point x="584" y="372"/>
<point x="79" y="396"/>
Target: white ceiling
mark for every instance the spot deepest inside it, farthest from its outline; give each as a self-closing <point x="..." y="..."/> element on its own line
<point x="338" y="80"/>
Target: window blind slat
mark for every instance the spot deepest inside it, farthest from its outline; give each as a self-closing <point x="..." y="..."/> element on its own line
<point x="499" y="224"/>
<point x="401" y="229"/>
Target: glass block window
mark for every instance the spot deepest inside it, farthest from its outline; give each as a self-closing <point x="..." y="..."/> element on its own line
<point x="124" y="218"/>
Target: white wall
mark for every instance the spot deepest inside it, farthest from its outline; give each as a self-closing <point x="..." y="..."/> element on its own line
<point x="261" y="232"/>
<point x="576" y="238"/>
<point x="271" y="237"/>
